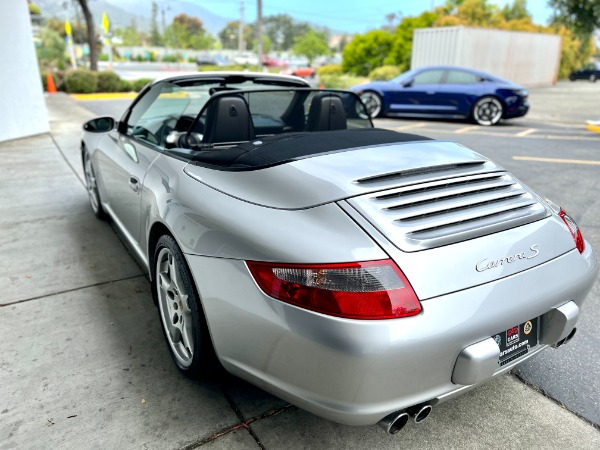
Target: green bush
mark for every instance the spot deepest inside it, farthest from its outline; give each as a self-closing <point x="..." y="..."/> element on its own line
<point x="138" y="85"/>
<point x="102" y="57"/>
<point x="340" y="81"/>
<point x="125" y="86"/>
<point x="384" y="73"/>
<point x="330" y="69"/>
<point x="81" y="81"/>
<point x="108" y="82"/>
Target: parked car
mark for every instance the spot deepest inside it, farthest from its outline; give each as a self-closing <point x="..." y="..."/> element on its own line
<point x="299" y="70"/>
<point x="445" y="92"/>
<point x="588" y="72"/>
<point x="362" y="274"/>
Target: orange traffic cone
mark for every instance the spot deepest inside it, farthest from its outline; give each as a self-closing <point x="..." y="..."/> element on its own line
<point x="321" y="86"/>
<point x="50" y="86"/>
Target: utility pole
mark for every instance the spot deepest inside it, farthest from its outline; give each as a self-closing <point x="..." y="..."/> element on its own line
<point x="241" y="42"/>
<point x="259" y="32"/>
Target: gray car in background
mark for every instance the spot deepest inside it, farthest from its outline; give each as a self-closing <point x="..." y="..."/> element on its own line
<point x="362" y="274"/>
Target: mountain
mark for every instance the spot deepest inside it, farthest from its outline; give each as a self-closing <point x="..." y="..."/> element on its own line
<point x="124" y="13"/>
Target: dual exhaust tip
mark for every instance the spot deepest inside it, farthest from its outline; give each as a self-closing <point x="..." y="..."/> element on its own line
<point x="567" y="339"/>
<point x="395" y="421"/>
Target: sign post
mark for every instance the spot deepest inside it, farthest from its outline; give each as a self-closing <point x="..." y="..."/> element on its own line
<point x="108" y="39"/>
<point x="69" y="33"/>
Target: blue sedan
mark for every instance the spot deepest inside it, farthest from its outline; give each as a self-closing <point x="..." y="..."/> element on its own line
<point x="445" y="92"/>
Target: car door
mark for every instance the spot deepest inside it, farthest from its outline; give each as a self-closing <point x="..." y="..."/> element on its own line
<point x="458" y="90"/>
<point x="123" y="164"/>
<point x="417" y="95"/>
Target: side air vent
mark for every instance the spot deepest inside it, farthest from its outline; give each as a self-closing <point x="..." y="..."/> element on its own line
<point x="442" y="212"/>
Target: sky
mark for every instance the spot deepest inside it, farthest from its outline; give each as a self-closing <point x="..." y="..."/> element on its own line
<point x="356" y="16"/>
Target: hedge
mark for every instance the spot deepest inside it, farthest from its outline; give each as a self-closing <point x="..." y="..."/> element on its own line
<point x="81" y="81"/>
<point x="384" y="73"/>
<point x="108" y="82"/>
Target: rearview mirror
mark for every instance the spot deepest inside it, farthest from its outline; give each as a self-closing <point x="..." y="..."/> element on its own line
<point x="99" y="125"/>
<point x="408" y="83"/>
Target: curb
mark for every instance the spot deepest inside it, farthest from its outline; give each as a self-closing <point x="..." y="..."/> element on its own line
<point x="593" y="126"/>
<point x="104" y="96"/>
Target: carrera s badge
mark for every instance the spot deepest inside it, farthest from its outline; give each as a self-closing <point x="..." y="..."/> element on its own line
<point x="485" y="264"/>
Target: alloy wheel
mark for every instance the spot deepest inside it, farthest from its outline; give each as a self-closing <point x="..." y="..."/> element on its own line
<point x="372" y="102"/>
<point x="91" y="185"/>
<point x="175" y="311"/>
<point x="487" y="111"/>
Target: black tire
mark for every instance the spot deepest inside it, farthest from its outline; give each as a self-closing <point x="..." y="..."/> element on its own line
<point x="180" y="311"/>
<point x="487" y="110"/>
<point x="373" y="103"/>
<point x="572" y="77"/>
<point x="92" y="187"/>
<point x="593" y="78"/>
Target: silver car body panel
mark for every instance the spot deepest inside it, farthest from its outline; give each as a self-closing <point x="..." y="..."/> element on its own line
<point x="357" y="372"/>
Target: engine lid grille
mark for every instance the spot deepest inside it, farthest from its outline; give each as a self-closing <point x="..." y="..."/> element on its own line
<point x="449" y="210"/>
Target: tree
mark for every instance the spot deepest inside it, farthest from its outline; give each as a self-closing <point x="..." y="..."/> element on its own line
<point x="516" y="11"/>
<point x="91" y="34"/>
<point x="229" y="35"/>
<point x="311" y="45"/>
<point x="130" y="35"/>
<point x="187" y="32"/>
<point x="283" y="30"/>
<point x="400" y="53"/>
<point x="366" y="52"/>
<point x="583" y="16"/>
<point x="51" y="51"/>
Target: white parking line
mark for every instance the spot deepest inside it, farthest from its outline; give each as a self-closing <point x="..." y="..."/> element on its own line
<point x="412" y="125"/>
<point x="526" y="132"/>
<point x="557" y="160"/>
<point x="465" y="129"/>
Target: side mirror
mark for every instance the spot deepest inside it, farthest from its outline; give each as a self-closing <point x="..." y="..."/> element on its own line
<point x="99" y="125"/>
<point x="408" y="83"/>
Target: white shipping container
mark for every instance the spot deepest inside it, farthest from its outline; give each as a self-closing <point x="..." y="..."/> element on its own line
<point x="525" y="58"/>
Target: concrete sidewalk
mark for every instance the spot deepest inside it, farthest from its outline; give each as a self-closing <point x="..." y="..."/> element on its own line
<point x="83" y="363"/>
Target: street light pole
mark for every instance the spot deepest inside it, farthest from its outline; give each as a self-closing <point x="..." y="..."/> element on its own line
<point x="259" y="32"/>
<point x="241" y="43"/>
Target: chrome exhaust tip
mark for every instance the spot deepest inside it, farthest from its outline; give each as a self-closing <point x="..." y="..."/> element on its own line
<point x="565" y="340"/>
<point x="420" y="412"/>
<point x="394" y="422"/>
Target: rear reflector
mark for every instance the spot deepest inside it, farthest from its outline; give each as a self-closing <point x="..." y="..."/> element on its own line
<point x="574" y="229"/>
<point x="359" y="290"/>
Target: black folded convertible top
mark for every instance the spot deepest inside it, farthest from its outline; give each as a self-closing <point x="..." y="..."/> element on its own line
<point x="279" y="149"/>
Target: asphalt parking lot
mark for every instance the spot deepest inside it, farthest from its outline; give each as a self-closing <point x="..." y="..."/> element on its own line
<point x="82" y="359"/>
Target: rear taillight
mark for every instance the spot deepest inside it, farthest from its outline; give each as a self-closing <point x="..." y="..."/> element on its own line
<point x="359" y="290"/>
<point x="574" y="229"/>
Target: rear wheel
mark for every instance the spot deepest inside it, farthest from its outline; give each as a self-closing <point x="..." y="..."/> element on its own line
<point x="92" y="186"/>
<point x="180" y="310"/>
<point x="487" y="111"/>
<point x="372" y="102"/>
<point x="593" y="78"/>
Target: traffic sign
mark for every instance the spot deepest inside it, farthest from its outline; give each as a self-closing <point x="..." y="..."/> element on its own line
<point x="105" y="23"/>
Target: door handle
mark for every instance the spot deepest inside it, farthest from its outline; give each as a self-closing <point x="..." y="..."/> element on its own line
<point x="134" y="184"/>
<point x="431" y="92"/>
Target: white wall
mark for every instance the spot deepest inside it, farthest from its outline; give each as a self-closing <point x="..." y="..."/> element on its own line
<point x="22" y="107"/>
<point x="525" y="58"/>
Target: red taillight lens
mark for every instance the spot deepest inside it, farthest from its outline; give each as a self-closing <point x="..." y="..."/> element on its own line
<point x="574" y="229"/>
<point x="359" y="290"/>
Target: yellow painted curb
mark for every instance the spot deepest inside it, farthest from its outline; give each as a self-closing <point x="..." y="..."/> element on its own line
<point x="104" y="96"/>
<point x="595" y="127"/>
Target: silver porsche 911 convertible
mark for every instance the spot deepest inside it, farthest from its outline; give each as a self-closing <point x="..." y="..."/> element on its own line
<point x="362" y="274"/>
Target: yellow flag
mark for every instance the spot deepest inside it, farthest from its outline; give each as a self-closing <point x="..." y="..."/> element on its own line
<point x="68" y="28"/>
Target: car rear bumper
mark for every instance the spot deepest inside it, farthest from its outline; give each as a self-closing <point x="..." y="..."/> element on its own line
<point x="357" y="372"/>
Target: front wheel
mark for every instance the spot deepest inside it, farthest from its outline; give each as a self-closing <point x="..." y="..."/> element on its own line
<point x="593" y="78"/>
<point x="91" y="185"/>
<point x="487" y="111"/>
<point x="180" y="310"/>
<point x="372" y="102"/>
